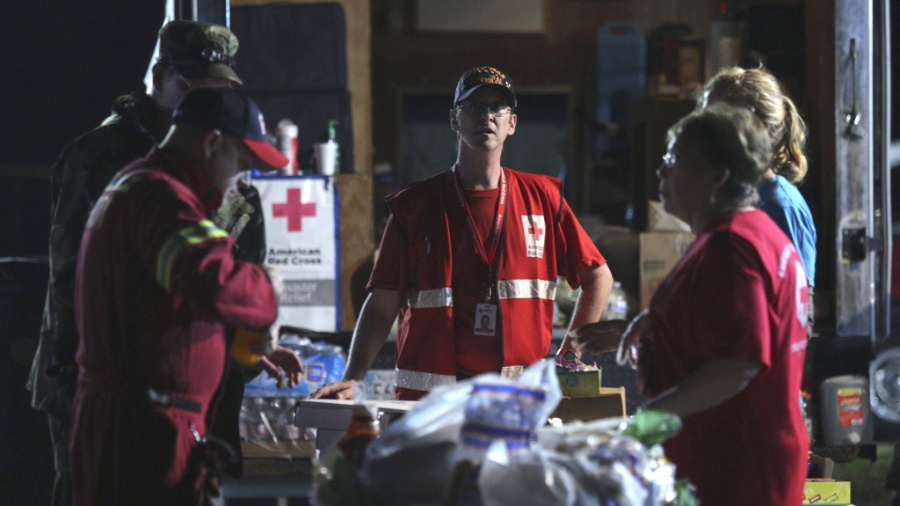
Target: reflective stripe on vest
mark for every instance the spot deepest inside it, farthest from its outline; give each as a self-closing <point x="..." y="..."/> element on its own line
<point x="193" y="234"/>
<point x="526" y="289"/>
<point x="427" y="381"/>
<point x="422" y="381"/>
<point x="438" y="297"/>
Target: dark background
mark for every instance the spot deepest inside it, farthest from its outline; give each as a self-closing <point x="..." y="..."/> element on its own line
<point x="62" y="63"/>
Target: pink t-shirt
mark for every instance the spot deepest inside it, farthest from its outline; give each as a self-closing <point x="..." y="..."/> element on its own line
<point x="739" y="292"/>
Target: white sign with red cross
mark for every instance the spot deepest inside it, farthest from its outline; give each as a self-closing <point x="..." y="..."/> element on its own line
<point x="534" y="235"/>
<point x="303" y="244"/>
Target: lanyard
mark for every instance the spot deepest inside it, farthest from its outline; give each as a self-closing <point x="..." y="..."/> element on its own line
<point x="487" y="254"/>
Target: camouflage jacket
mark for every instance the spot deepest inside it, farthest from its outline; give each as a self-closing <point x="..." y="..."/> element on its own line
<point x="77" y="181"/>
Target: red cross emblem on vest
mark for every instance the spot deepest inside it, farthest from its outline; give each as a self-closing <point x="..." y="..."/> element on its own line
<point x="535" y="233"/>
<point x="294" y="210"/>
<point x="536" y="230"/>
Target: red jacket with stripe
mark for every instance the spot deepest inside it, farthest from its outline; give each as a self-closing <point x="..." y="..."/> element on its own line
<point x="156" y="285"/>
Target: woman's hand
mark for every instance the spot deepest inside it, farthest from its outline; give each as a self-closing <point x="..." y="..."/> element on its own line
<point x="638" y="330"/>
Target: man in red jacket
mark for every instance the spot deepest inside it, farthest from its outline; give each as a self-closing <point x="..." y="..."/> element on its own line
<point x="191" y="55"/>
<point x="476" y="243"/>
<point x="156" y="286"/>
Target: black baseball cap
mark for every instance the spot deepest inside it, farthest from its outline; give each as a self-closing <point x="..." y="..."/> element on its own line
<point x="233" y="113"/>
<point x="198" y="50"/>
<point x="473" y="79"/>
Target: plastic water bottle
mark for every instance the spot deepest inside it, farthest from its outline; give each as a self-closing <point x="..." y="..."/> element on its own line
<point x="616" y="303"/>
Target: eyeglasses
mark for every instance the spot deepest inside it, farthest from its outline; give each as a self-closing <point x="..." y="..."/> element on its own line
<point x="497" y="110"/>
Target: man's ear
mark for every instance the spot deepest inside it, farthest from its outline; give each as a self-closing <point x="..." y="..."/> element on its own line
<point x="212" y="142"/>
<point x="513" y="119"/>
<point x="454" y="120"/>
<point x="159" y="73"/>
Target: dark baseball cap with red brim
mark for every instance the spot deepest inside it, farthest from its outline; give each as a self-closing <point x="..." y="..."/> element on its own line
<point x="233" y="113"/>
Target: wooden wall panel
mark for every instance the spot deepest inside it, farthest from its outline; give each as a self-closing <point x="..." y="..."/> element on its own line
<point x="355" y="190"/>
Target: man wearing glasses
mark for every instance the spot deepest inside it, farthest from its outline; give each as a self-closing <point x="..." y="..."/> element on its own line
<point x="191" y="55"/>
<point x="478" y="242"/>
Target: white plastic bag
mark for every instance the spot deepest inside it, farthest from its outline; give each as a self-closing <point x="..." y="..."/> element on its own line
<point x="414" y="460"/>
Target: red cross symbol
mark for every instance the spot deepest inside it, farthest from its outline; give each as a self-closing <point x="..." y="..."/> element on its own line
<point x="536" y="232"/>
<point x="294" y="210"/>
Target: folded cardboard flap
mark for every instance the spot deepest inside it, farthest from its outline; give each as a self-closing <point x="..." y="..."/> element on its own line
<point x="580" y="383"/>
<point x="820" y="467"/>
<point x="608" y="404"/>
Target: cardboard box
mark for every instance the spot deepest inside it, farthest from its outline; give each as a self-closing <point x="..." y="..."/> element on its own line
<point x="660" y="251"/>
<point x="580" y="383"/>
<point x="608" y="404"/>
<point x="658" y="220"/>
<point x="826" y="492"/>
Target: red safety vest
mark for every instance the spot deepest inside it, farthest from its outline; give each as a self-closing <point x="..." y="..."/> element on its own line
<point x="527" y="268"/>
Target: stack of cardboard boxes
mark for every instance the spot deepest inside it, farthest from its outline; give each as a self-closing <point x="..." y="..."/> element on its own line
<point x="585" y="400"/>
<point x="664" y="243"/>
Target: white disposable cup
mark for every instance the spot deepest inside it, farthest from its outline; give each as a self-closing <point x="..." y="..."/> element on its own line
<point x="326" y="157"/>
<point x="286" y="135"/>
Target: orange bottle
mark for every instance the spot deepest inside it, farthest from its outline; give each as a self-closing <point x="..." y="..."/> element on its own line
<point x="364" y="427"/>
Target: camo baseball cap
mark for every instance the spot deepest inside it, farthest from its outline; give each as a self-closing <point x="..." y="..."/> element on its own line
<point x="475" y="78"/>
<point x="198" y="50"/>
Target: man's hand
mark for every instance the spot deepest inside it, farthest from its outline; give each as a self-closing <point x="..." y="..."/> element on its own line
<point x="598" y="337"/>
<point x="337" y="390"/>
<point x="283" y="363"/>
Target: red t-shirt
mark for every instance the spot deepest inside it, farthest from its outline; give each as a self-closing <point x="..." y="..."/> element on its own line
<point x="476" y="354"/>
<point x="739" y="292"/>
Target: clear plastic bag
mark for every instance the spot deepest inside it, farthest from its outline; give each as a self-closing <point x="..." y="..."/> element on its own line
<point x="416" y="456"/>
<point x="484" y="442"/>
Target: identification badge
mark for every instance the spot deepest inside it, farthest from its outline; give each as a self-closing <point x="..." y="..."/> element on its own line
<point x="485" y="319"/>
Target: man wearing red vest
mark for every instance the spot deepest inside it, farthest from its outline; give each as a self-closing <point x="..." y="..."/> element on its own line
<point x="470" y="258"/>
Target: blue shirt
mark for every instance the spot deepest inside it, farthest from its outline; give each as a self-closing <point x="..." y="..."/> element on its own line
<point x="783" y="203"/>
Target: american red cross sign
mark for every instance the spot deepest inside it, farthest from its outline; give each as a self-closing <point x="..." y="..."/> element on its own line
<point x="301" y="215"/>
<point x="294" y="210"/>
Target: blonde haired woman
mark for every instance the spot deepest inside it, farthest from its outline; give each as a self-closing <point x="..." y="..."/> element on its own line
<point x="761" y="93"/>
